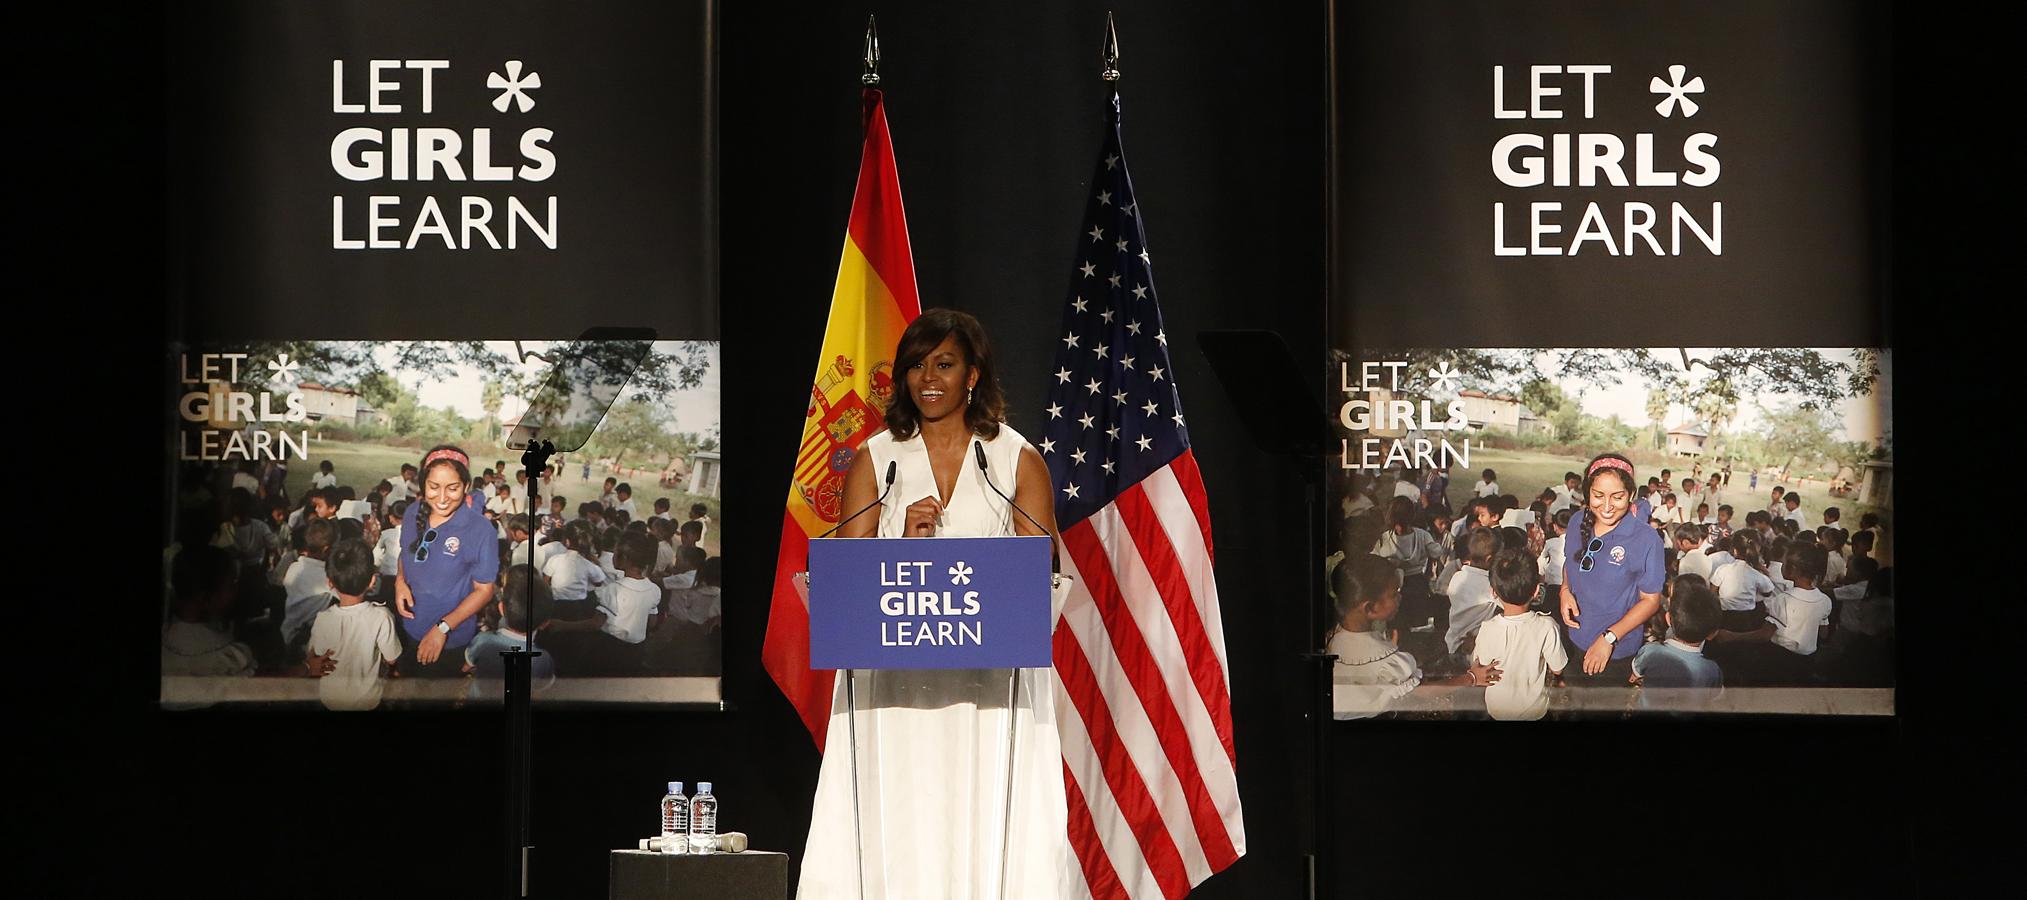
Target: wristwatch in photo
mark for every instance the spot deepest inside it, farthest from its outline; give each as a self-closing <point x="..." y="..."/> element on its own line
<point x="1609" y="636"/>
<point x="442" y="627"/>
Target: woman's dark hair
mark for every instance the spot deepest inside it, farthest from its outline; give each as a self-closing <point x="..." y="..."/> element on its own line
<point x="1593" y="472"/>
<point x="1513" y="576"/>
<point x="460" y="463"/>
<point x="988" y="405"/>
<point x="1360" y="579"/>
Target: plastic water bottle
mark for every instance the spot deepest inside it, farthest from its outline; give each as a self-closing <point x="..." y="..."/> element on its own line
<point x="704" y="820"/>
<point x="675" y="820"/>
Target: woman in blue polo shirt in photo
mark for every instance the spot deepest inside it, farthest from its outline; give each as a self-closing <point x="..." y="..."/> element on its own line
<point x="1614" y="568"/>
<point x="450" y="561"/>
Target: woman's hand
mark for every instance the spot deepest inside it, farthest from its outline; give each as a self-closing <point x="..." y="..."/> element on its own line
<point x="1596" y="657"/>
<point x="404" y="599"/>
<point x="432" y="647"/>
<point x="1569" y="606"/>
<point x="921" y="517"/>
<point x="1485" y="675"/>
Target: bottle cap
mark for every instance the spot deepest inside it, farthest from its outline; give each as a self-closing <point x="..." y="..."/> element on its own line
<point x="703" y="787"/>
<point x="675" y="787"/>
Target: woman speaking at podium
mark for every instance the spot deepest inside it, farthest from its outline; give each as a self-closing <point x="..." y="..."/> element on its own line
<point x="932" y="750"/>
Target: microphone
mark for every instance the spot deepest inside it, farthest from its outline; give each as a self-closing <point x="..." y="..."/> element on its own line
<point x="893" y="467"/>
<point x="980" y="448"/>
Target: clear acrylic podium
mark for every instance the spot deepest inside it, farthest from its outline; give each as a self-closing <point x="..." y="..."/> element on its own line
<point x="941" y="645"/>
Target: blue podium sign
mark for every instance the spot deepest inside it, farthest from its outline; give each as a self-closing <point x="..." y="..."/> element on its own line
<point x="929" y="603"/>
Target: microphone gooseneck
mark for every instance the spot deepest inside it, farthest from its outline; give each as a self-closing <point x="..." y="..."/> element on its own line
<point x="893" y="468"/>
<point x="979" y="449"/>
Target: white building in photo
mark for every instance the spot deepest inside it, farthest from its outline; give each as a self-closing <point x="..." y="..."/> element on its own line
<point x="1687" y="439"/>
<point x="705" y="469"/>
<point x="1499" y="412"/>
<point x="323" y="401"/>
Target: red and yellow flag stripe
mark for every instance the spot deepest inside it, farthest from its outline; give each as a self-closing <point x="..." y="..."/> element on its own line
<point x="874" y="300"/>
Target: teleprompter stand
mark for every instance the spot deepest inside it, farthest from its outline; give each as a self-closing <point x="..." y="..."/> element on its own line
<point x="585" y="376"/>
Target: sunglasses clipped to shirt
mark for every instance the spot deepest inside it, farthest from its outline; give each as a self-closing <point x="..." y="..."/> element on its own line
<point x="429" y="537"/>
<point x="1589" y="558"/>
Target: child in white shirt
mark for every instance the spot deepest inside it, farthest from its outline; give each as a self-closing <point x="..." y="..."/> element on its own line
<point x="307" y="587"/>
<point x="1471" y="598"/>
<point x="625" y="605"/>
<point x="573" y="574"/>
<point x="1800" y="615"/>
<point x="1741" y="585"/>
<point x="1527" y="646"/>
<point x="1371" y="672"/>
<point x="352" y="642"/>
<point x="1691" y="558"/>
<point x="1487" y="486"/>
<point x="387" y="549"/>
<point x="1551" y="559"/>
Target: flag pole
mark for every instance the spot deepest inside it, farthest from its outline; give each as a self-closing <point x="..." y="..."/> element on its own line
<point x="1110" y="53"/>
<point x="871" y="77"/>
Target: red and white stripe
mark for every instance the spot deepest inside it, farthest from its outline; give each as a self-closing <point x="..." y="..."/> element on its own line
<point x="1144" y="694"/>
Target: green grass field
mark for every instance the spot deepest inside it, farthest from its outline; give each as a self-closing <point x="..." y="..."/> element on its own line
<point x="1524" y="473"/>
<point x="362" y="466"/>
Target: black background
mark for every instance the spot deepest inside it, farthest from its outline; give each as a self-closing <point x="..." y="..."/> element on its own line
<point x="625" y="90"/>
<point x="1795" y="92"/>
<point x="995" y="116"/>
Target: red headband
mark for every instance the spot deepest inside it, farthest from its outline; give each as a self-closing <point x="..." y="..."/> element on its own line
<point x="1609" y="463"/>
<point x="449" y="454"/>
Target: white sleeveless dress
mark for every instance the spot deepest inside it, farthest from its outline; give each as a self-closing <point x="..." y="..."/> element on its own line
<point x="933" y="752"/>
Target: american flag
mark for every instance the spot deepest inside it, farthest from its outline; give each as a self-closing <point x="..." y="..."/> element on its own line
<point x="1148" y="762"/>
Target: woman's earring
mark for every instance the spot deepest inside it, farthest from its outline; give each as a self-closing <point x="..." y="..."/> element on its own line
<point x="967" y="396"/>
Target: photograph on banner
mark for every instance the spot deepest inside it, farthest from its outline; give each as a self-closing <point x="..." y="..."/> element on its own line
<point x="354" y="525"/>
<point x="1564" y="532"/>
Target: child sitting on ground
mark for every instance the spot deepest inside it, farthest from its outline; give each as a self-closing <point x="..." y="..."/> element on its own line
<point x="620" y="618"/>
<point x="1526" y="645"/>
<point x="517" y="619"/>
<point x="1691" y="558"/>
<point x="701" y="514"/>
<point x="352" y="642"/>
<point x="1368" y="592"/>
<point x="308" y="586"/>
<point x="1674" y="674"/>
<point x="574" y="573"/>
<point x="1472" y="601"/>
<point x="683" y="575"/>
<point x="197" y="640"/>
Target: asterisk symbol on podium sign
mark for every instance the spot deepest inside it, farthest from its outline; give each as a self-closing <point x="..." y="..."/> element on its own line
<point x="960" y="573"/>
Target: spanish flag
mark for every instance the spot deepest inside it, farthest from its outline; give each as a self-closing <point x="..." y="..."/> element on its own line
<point x="848" y="399"/>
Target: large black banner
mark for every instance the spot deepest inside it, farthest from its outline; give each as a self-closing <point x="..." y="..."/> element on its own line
<point x="442" y="170"/>
<point x="1573" y="173"/>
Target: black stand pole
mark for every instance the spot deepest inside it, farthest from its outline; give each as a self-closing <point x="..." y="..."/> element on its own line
<point x="519" y="686"/>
